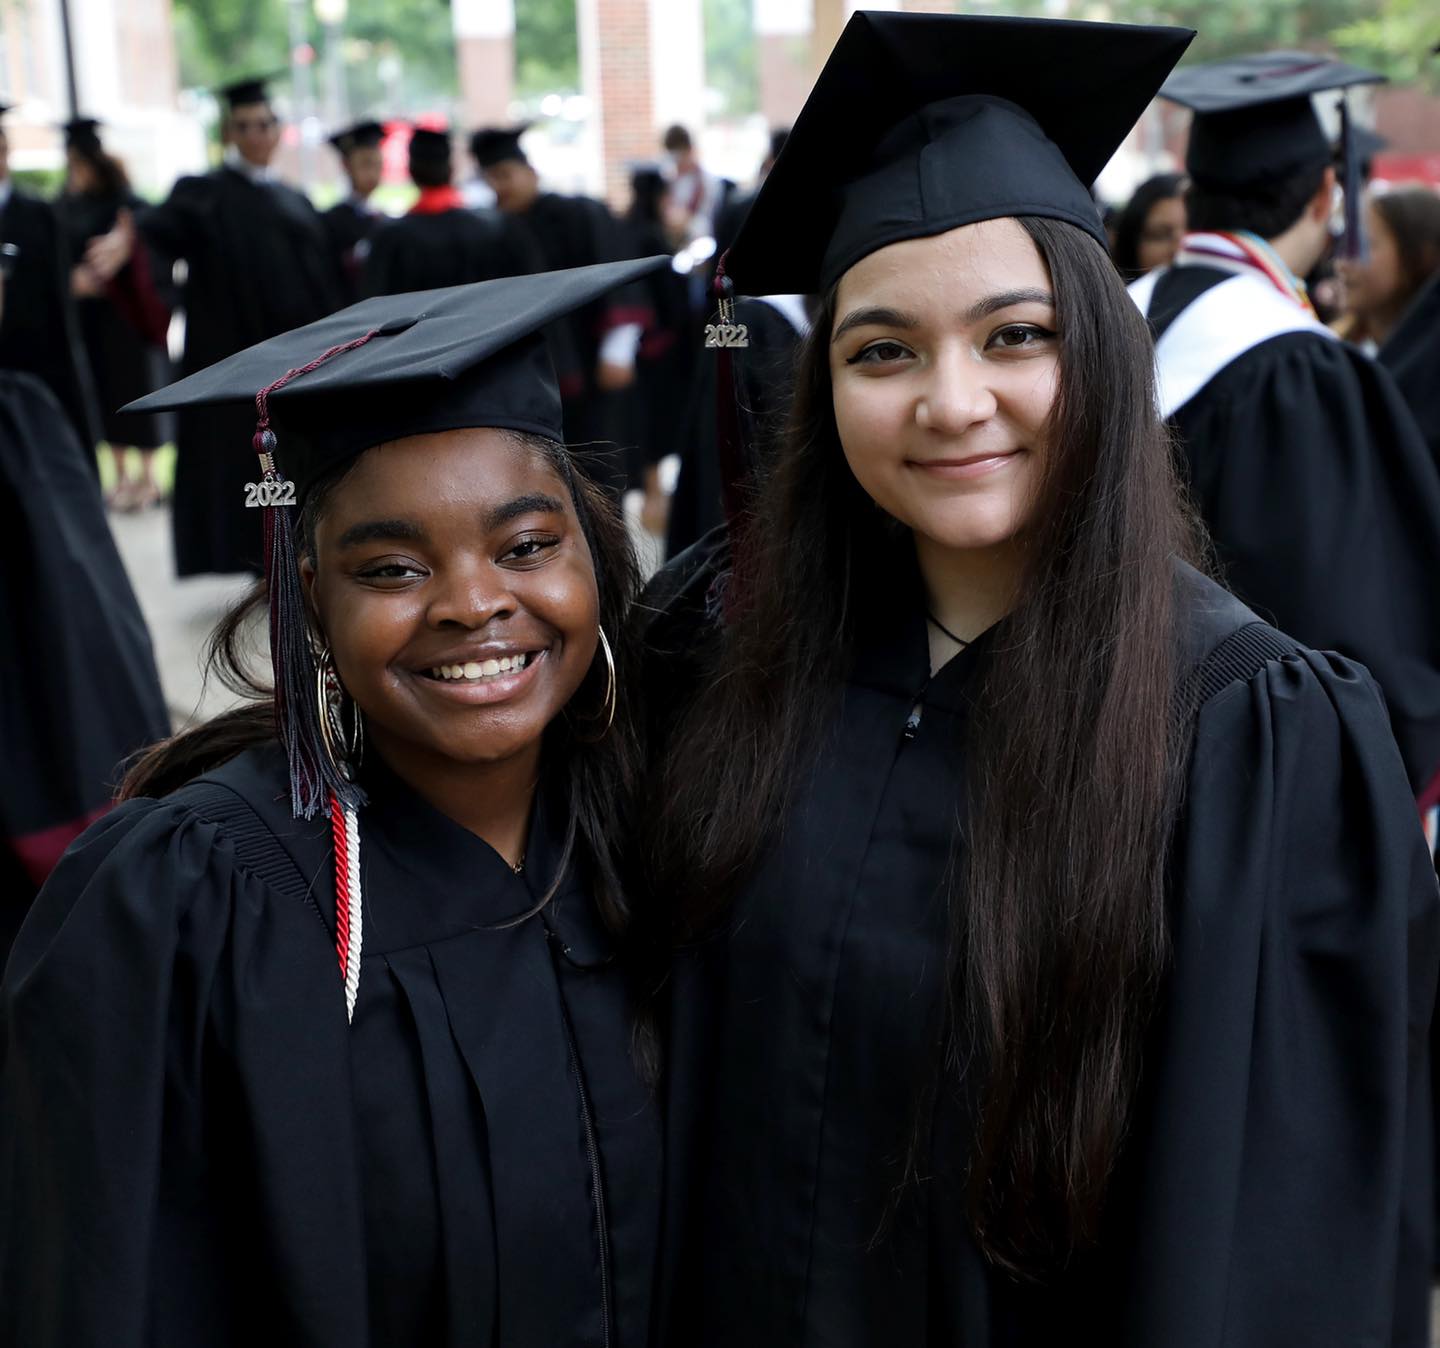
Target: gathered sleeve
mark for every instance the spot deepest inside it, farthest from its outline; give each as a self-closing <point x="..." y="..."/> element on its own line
<point x="1283" y="1188"/>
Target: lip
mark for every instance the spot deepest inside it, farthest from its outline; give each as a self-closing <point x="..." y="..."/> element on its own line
<point x="484" y="692"/>
<point x="977" y="465"/>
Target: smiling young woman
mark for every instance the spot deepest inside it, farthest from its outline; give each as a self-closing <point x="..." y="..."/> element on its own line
<point x="208" y="1132"/>
<point x="1057" y="939"/>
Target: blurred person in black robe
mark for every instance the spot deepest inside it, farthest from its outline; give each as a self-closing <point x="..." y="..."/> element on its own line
<point x="123" y="320"/>
<point x="40" y="332"/>
<point x="441" y="241"/>
<point x="1056" y="938"/>
<point x="324" y="1036"/>
<point x="258" y="262"/>
<point x="736" y="205"/>
<point x="1321" y="496"/>
<point x="78" y="689"/>
<point x="352" y="222"/>
<point x="594" y="349"/>
<point x="1412" y="355"/>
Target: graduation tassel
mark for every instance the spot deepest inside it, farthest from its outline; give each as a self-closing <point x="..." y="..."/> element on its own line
<point x="315" y="777"/>
<point x="1353" y="243"/>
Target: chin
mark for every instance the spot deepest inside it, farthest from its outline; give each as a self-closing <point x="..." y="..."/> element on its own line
<point x="967" y="531"/>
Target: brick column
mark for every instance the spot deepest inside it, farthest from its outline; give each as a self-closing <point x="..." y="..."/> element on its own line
<point x="485" y="59"/>
<point x="616" y="76"/>
<point x="782" y="40"/>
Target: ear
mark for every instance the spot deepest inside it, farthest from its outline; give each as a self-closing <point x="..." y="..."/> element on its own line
<point x="307" y="583"/>
<point x="1323" y="201"/>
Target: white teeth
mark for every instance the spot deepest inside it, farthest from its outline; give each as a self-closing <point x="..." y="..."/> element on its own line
<point x="480" y="669"/>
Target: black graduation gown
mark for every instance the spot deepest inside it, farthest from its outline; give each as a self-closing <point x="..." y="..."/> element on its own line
<point x="349" y="225"/>
<point x="124" y="361"/>
<point x="446" y="248"/>
<point x="1261" y="1195"/>
<point x="1412" y="355"/>
<point x="78" y="687"/>
<point x="39" y="331"/>
<point x="195" y="1147"/>
<point x="1324" y="506"/>
<point x="259" y="263"/>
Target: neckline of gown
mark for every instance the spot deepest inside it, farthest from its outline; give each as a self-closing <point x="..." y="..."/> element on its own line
<point x="443" y="880"/>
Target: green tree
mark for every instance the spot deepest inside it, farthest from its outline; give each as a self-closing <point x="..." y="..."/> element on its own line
<point x="1399" y="39"/>
<point x="547" y="48"/>
<point x="730" y="56"/>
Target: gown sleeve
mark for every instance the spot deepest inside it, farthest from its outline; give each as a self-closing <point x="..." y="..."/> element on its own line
<point x="1283" y="1187"/>
<point x="1324" y="502"/>
<point x="127" y="1207"/>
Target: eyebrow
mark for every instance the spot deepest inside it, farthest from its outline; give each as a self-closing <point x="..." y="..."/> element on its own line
<point x="532" y="503"/>
<point x="372" y="531"/>
<point x="879" y="316"/>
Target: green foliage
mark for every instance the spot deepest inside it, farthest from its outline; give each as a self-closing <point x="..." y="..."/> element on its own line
<point x="223" y="40"/>
<point x="730" y="56"/>
<point x="547" y="48"/>
<point x="1399" y="39"/>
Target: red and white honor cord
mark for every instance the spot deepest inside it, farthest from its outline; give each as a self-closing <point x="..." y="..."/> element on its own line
<point x="349" y="911"/>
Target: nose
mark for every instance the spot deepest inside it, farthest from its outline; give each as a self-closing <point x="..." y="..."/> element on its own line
<point x="956" y="394"/>
<point x="470" y="594"/>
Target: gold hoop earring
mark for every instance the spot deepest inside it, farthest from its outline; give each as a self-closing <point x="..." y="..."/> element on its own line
<point x="345" y="748"/>
<point x="611" y="693"/>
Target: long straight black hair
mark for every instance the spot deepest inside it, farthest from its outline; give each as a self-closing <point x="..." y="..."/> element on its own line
<point x="1058" y="933"/>
<point x="599" y="774"/>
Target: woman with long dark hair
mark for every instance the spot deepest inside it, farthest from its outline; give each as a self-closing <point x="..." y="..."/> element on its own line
<point x="1149" y="229"/>
<point x="209" y="1132"/>
<point x="1057" y="939"/>
<point x="123" y="319"/>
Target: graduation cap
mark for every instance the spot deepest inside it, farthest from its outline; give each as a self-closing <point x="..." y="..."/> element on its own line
<point x="1255" y="124"/>
<point x="360" y="136"/>
<point x="430" y="146"/>
<point x="82" y="133"/>
<point x="381" y="370"/>
<point x="492" y="145"/>
<point x="920" y="123"/>
<point x="252" y="90"/>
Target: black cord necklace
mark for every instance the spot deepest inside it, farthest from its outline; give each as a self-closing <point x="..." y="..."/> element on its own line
<point x="959" y="641"/>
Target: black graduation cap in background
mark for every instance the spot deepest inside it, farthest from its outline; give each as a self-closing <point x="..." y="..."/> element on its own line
<point x="430" y="146"/>
<point x="920" y="123"/>
<point x="359" y="136"/>
<point x="82" y="133"/>
<point x="495" y="144"/>
<point x="1255" y="124"/>
<point x="378" y="371"/>
<point x="251" y="90"/>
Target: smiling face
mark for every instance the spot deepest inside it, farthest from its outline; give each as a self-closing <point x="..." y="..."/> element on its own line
<point x="944" y="362"/>
<point x="454" y="585"/>
<point x="254" y="130"/>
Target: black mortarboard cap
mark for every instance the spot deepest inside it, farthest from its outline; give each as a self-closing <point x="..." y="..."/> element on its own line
<point x="381" y="370"/>
<point x="82" y="133"/>
<point x="1254" y="121"/>
<point x="429" y="146"/>
<point x="920" y="123"/>
<point x="361" y="135"/>
<point x="495" y="144"/>
<point x="241" y="92"/>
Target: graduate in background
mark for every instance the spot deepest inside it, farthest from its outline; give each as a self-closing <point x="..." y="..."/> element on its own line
<point x="1148" y="231"/>
<point x="79" y="692"/>
<point x="1412" y="355"/>
<point x="1319" y="492"/>
<point x="209" y="1132"/>
<point x="1402" y="230"/>
<point x="352" y="222"/>
<point x="123" y="318"/>
<point x="441" y="241"/>
<point x="1057" y="938"/>
<point x="40" y="332"/>
<point x="258" y="262"/>
<point x="596" y="347"/>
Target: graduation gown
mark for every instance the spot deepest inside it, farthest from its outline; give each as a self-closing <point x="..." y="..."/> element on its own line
<point x="447" y="248"/>
<point x="1267" y="1187"/>
<point x="78" y="688"/>
<point x="39" y="331"/>
<point x="259" y="263"/>
<point x="350" y="224"/>
<point x="122" y="331"/>
<point x="1412" y="355"/>
<point x="196" y="1148"/>
<point x="1323" y="502"/>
